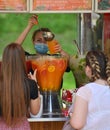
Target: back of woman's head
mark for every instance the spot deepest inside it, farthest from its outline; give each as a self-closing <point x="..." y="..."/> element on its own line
<point x="99" y="64"/>
<point x="14" y="58"/>
<point x="12" y="83"/>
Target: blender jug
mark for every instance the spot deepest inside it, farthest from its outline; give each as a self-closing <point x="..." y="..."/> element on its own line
<point x="50" y="70"/>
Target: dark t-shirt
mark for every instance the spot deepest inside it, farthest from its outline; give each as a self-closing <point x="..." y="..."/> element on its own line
<point x="33" y="89"/>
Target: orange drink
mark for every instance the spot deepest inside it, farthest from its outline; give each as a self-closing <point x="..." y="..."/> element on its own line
<point x="50" y="70"/>
<point x="51" y="46"/>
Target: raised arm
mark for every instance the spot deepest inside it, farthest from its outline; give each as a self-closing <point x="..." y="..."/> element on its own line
<point x="32" y="21"/>
<point x="35" y="104"/>
<point x="79" y="115"/>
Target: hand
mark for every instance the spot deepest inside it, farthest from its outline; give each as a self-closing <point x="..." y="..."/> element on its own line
<point x="58" y="48"/>
<point x="33" y="20"/>
<point x="33" y="76"/>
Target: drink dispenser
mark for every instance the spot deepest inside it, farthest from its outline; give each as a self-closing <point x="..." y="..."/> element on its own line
<point x="50" y="70"/>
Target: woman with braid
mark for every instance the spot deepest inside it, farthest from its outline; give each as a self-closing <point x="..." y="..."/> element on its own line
<point x="92" y="103"/>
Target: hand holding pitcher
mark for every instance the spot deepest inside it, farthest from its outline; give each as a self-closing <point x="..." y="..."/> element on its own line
<point x="54" y="47"/>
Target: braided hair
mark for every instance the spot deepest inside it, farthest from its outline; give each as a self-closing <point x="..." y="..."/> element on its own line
<point x="99" y="64"/>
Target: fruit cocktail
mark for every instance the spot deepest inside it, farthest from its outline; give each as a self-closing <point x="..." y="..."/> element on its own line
<point x="50" y="70"/>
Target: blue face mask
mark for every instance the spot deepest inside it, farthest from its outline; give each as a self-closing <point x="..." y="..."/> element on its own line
<point x="41" y="48"/>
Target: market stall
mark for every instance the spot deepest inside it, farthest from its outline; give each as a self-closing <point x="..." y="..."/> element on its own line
<point x="91" y="27"/>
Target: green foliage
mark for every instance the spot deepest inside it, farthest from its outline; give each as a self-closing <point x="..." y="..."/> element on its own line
<point x="63" y="25"/>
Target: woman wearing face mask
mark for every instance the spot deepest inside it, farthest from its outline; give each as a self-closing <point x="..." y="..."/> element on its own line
<point x="38" y="39"/>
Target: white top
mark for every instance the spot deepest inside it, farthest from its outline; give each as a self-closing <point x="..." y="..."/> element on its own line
<point x="98" y="97"/>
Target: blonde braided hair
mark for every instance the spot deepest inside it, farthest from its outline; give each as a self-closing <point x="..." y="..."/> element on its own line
<point x="99" y="64"/>
<point x="95" y="68"/>
<point x="108" y="69"/>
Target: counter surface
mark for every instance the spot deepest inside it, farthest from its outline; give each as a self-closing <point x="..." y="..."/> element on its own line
<point x="48" y="118"/>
